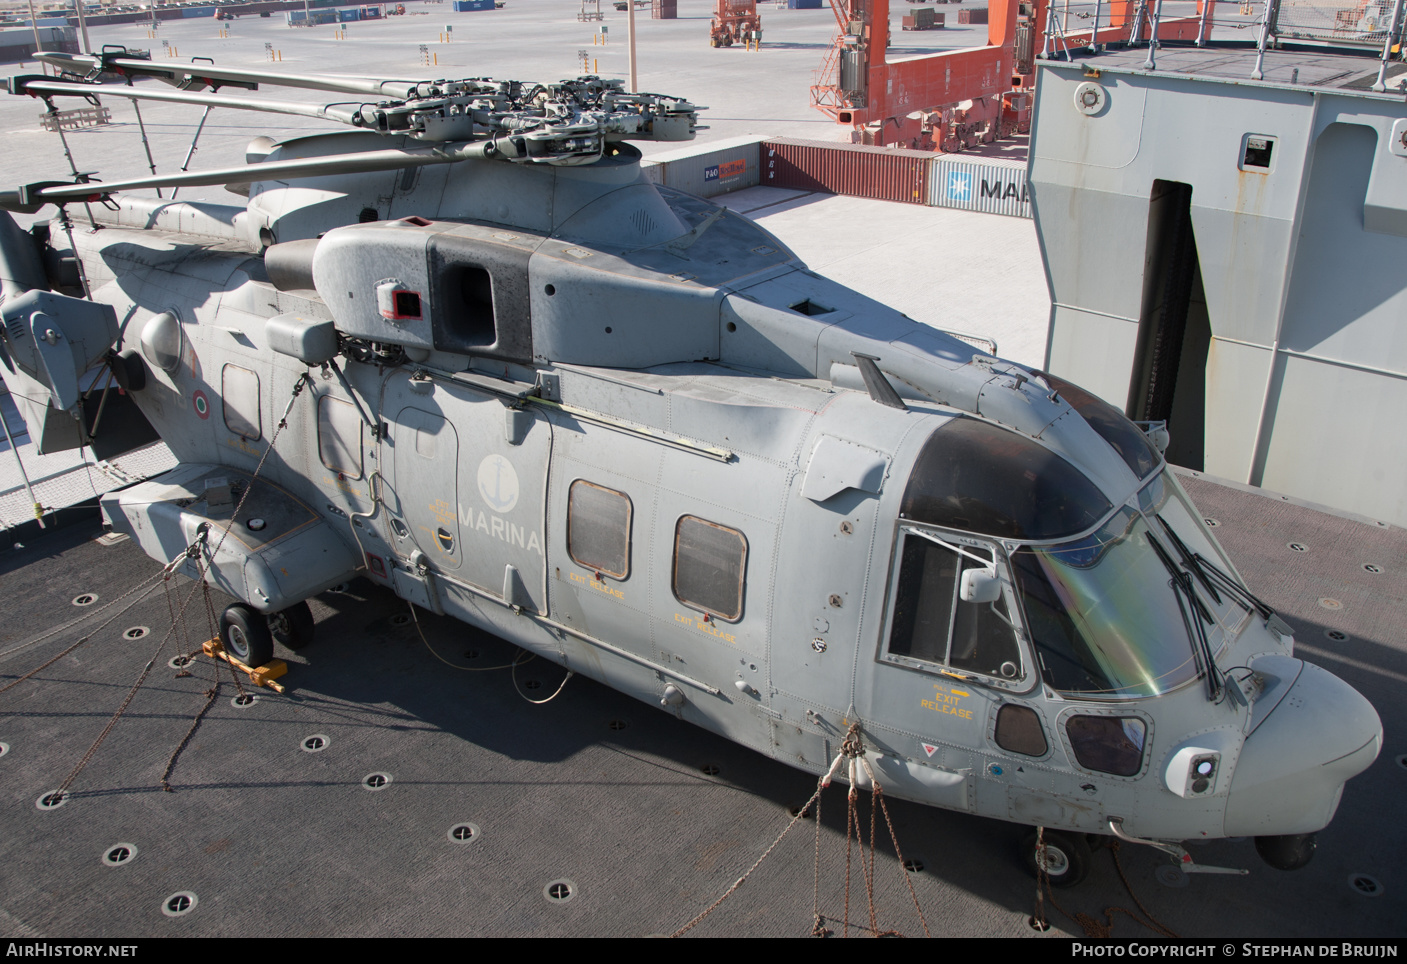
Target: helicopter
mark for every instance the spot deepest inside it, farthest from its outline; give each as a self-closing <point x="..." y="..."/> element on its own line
<point x="467" y="351"/>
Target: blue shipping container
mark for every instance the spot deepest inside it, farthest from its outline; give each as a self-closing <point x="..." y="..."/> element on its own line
<point x="464" y="6"/>
<point x="803" y="4"/>
<point x="348" y="15"/>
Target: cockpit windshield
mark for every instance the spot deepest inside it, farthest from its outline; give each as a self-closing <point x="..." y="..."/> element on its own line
<point x="1102" y="611"/>
<point x="1102" y="615"/>
<point x="1135" y="607"/>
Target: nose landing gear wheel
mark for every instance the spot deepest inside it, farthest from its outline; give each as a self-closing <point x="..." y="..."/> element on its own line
<point x="293" y="627"/>
<point x="1067" y="857"/>
<point x="245" y="635"/>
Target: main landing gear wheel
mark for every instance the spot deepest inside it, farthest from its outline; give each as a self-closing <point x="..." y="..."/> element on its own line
<point x="293" y="627"/>
<point x="1067" y="857"/>
<point x="245" y="634"/>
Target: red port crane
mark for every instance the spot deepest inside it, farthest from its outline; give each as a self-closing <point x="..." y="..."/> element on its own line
<point x="954" y="99"/>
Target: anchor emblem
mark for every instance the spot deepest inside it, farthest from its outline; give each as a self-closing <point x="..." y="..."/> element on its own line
<point x="498" y="483"/>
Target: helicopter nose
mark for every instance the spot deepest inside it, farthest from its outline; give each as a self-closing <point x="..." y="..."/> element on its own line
<point x="1293" y="766"/>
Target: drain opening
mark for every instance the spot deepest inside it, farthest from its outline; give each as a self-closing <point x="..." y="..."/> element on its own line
<point x="315" y="743"/>
<point x="618" y="724"/>
<point x="180" y="662"/>
<point x="559" y="891"/>
<point x="1336" y="635"/>
<point x="913" y="865"/>
<point x="1297" y="546"/>
<point x="119" y="854"/>
<point x="52" y="800"/>
<point x="85" y="599"/>
<point x="712" y="769"/>
<point x="532" y="684"/>
<point x="1365" y="886"/>
<point x="377" y="781"/>
<point x="400" y="619"/>
<point x="136" y="632"/>
<point x="4" y="748"/>
<point x="1038" y="925"/>
<point x="244" y="700"/>
<point x="1401" y="761"/>
<point x="1369" y="567"/>
<point x="1211" y="523"/>
<point x="797" y="810"/>
<point x="471" y="654"/>
<point x="179" y="904"/>
<point x="463" y="833"/>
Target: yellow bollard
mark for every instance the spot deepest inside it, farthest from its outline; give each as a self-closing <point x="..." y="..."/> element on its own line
<point x="595" y="66"/>
<point x="437" y="60"/>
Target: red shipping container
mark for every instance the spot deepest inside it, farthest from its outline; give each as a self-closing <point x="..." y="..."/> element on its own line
<point x="852" y="169"/>
<point x="664" y="10"/>
<point x="972" y="16"/>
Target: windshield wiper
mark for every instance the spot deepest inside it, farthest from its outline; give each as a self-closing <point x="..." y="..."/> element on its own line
<point x="1187" y="601"/>
<point x="1179" y="575"/>
<point x="1190" y="560"/>
<point x="1240" y="593"/>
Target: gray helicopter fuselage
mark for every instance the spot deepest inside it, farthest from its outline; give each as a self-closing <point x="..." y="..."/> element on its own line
<point x="632" y="433"/>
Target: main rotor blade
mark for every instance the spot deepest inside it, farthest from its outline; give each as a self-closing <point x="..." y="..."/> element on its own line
<point x="202" y="74"/>
<point x="342" y="113"/>
<point x="360" y="163"/>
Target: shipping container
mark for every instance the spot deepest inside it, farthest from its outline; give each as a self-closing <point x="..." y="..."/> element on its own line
<point x="664" y="10"/>
<point x="873" y="172"/>
<point x="316" y="17"/>
<point x="348" y="14"/>
<point x="466" y="6"/>
<point x="972" y="16"/>
<point x="710" y="169"/>
<point x="934" y="21"/>
<point x="919" y="18"/>
<point x="17" y="45"/>
<point x="979" y="184"/>
<point x="803" y="4"/>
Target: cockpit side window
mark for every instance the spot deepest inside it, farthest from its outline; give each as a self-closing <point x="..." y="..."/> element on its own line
<point x="931" y="624"/>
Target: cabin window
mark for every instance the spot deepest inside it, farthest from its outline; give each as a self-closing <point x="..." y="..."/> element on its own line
<point x="710" y="561"/>
<point x="1109" y="744"/>
<point x="240" y="391"/>
<point x="340" y="438"/>
<point x="931" y="624"/>
<point x="598" y="528"/>
<point x="1019" y="730"/>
